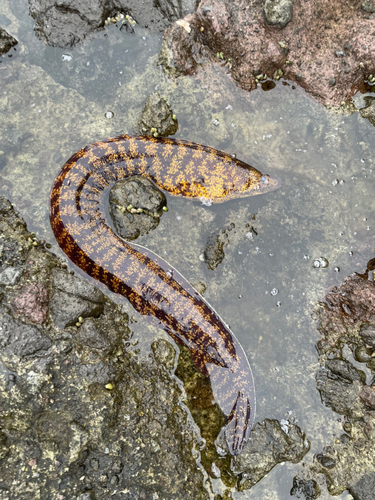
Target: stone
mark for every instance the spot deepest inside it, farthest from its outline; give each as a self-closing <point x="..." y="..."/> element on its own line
<point x="303" y="488"/>
<point x="269" y="445"/>
<point x="164" y="353"/>
<point x="364" y="489"/>
<point x="176" y="9"/>
<point x="157" y="115"/>
<point x="339" y="384"/>
<point x="74" y="307"/>
<point x="214" y="252"/>
<point x="90" y="335"/>
<point x="278" y="13"/>
<point x="367" y="395"/>
<point x="235" y="32"/>
<point x="19" y="338"/>
<point x="9" y="276"/>
<point x="32" y="302"/>
<point x="368" y="6"/>
<point x="6" y="41"/>
<point x="368" y="111"/>
<point x="140" y="193"/>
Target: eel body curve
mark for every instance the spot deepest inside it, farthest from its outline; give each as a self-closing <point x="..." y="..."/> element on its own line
<point x="79" y="221"/>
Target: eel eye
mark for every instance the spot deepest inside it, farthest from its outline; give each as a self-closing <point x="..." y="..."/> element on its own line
<point x="264" y="179"/>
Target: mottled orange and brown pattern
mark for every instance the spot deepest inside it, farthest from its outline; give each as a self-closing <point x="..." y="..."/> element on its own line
<point x="154" y="288"/>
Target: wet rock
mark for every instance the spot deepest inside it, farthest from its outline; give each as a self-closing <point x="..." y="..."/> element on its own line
<point x="20" y="339"/>
<point x="176" y="9"/>
<point x="164" y="353"/>
<point x="305" y="489"/>
<point x="157" y="117"/>
<point x="60" y="417"/>
<point x="368" y="111"/>
<point x="6" y="42"/>
<point x="80" y="299"/>
<point x="364" y="489"/>
<point x="90" y="335"/>
<point x="367" y="333"/>
<point x="278" y="13"/>
<point x="339" y="384"/>
<point x="368" y="6"/>
<point x="367" y="395"/>
<point x="59" y="435"/>
<point x="136" y="205"/>
<point x="234" y="31"/>
<point x="32" y="303"/>
<point x="214" y="253"/>
<point x="268" y="446"/>
<point x="9" y="276"/>
<point x="199" y="286"/>
<point x="66" y="24"/>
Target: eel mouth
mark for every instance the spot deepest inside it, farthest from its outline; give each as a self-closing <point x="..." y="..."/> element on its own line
<point x="267" y="183"/>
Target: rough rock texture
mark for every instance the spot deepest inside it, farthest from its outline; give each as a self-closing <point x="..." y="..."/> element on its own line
<point x="309" y="490"/>
<point x="6" y="41"/>
<point x="269" y="445"/>
<point x="278" y="13"/>
<point x="176" y="9"/>
<point x="82" y="416"/>
<point x="369" y="110"/>
<point x="68" y="22"/>
<point x="347" y="323"/>
<point x="136" y="206"/>
<point x="237" y="34"/>
<point x="157" y="117"/>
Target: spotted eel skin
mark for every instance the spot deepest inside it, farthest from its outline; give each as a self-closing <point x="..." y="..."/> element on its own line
<point x="156" y="290"/>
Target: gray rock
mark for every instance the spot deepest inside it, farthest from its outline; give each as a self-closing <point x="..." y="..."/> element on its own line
<point x="164" y="353"/>
<point x="59" y="416"/>
<point x="90" y="335"/>
<point x="67" y="23"/>
<point x="9" y="276"/>
<point x="140" y="193"/>
<point x="367" y="333"/>
<point x="268" y="446"/>
<point x="19" y="338"/>
<point x="368" y="111"/>
<point x="332" y="82"/>
<point x="339" y="384"/>
<point x="368" y="6"/>
<point x="157" y="117"/>
<point x="278" y="13"/>
<point x="6" y="42"/>
<point x="303" y="488"/>
<point x="176" y="9"/>
<point x="214" y="252"/>
<point x="66" y="308"/>
<point x="74" y="285"/>
<point x="364" y="489"/>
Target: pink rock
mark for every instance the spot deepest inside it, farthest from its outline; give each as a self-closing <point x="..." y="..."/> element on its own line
<point x="367" y="395"/>
<point x="323" y="41"/>
<point x="32" y="302"/>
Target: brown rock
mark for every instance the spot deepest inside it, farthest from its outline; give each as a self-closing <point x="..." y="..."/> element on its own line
<point x="32" y="303"/>
<point x="323" y="41"/>
<point x="367" y="395"/>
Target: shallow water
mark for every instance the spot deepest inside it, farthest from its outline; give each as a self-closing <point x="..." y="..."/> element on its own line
<point x="53" y="101"/>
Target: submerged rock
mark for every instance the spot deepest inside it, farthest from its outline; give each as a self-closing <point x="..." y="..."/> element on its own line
<point x="136" y="206"/>
<point x="6" y="41"/>
<point x="157" y="117"/>
<point x="83" y="416"/>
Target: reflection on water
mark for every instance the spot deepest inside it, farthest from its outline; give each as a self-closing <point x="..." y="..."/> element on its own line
<point x="51" y="105"/>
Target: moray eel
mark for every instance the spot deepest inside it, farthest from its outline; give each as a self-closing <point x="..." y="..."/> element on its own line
<point x="156" y="290"/>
